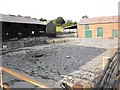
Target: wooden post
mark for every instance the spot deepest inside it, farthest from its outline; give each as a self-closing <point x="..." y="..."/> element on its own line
<point x="114" y="49"/>
<point x="1" y="83"/>
<point x="105" y="61"/>
<point x="22" y="77"/>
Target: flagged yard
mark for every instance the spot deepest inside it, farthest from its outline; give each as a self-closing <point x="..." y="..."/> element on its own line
<point x="78" y="59"/>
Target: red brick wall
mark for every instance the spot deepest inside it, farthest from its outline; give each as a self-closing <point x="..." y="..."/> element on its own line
<point x="107" y="30"/>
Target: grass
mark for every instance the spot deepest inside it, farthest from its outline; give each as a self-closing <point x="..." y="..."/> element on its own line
<point x="58" y="29"/>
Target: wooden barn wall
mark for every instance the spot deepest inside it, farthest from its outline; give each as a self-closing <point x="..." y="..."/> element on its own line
<point x="26" y="29"/>
<point x="51" y="29"/>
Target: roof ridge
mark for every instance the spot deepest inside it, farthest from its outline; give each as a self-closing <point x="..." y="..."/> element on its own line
<point x="103" y="19"/>
<point x="102" y="16"/>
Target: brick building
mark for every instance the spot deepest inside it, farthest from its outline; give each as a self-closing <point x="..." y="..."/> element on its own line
<point x="99" y="27"/>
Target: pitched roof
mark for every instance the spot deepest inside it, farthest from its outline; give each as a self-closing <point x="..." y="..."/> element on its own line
<point x="45" y="22"/>
<point x="108" y="19"/>
<point x="21" y="19"/>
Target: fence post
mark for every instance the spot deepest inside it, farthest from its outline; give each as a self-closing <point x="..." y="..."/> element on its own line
<point x="105" y="61"/>
<point x="1" y="81"/>
<point x="114" y="49"/>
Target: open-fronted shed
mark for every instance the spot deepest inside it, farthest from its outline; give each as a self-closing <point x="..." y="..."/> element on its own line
<point x="19" y="27"/>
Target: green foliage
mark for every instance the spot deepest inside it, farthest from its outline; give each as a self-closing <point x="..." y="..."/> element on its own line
<point x="58" y="29"/>
<point x="42" y="19"/>
<point x="85" y="16"/>
<point x="59" y="21"/>
<point x="64" y="25"/>
<point x="75" y="23"/>
<point x="69" y="23"/>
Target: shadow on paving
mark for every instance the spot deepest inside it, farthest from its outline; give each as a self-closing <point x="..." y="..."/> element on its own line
<point x="50" y="64"/>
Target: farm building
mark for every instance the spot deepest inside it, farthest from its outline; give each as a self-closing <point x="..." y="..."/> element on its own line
<point x="99" y="27"/>
<point x="50" y="28"/>
<point x="19" y="27"/>
<point x="70" y="29"/>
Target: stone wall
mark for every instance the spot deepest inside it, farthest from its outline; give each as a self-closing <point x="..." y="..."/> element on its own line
<point x="26" y="42"/>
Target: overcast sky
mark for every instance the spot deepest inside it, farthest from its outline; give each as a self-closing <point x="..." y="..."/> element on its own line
<point x="68" y="9"/>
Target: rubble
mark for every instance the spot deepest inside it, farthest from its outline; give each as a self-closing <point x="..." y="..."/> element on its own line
<point x="52" y="64"/>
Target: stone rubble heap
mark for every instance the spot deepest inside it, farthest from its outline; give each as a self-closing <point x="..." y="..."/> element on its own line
<point x="55" y="63"/>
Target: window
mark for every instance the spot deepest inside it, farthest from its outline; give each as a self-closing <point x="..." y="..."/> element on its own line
<point x="41" y="32"/>
<point x="86" y="26"/>
<point x="6" y="33"/>
<point x="115" y="33"/>
<point x="19" y="33"/>
<point x="33" y="32"/>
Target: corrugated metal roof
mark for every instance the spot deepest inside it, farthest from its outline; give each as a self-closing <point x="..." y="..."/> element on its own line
<point x="107" y="19"/>
<point x="21" y="19"/>
<point x="45" y="22"/>
<point x="71" y="27"/>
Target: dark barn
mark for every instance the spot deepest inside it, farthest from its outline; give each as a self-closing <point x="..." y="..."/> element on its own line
<point x="20" y="27"/>
<point x="50" y="28"/>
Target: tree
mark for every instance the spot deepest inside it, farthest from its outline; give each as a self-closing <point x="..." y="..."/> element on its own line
<point x="64" y="25"/>
<point x="43" y="19"/>
<point x="69" y="22"/>
<point x="75" y="23"/>
<point x="59" y="21"/>
<point x="85" y="16"/>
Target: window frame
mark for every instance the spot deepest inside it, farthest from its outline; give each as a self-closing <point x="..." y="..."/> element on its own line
<point x="86" y="26"/>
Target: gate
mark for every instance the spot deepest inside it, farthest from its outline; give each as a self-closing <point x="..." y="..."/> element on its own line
<point x="88" y="33"/>
<point x="115" y="33"/>
<point x="100" y="32"/>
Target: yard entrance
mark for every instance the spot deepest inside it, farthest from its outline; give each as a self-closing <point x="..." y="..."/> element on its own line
<point x="100" y="32"/>
<point x="88" y="33"/>
<point x="115" y="33"/>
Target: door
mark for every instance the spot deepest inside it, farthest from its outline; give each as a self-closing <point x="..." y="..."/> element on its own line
<point x="100" y="32"/>
<point x="115" y="33"/>
<point x="88" y="33"/>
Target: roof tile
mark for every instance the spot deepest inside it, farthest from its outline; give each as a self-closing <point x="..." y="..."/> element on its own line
<point x="99" y="20"/>
<point x="21" y="19"/>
